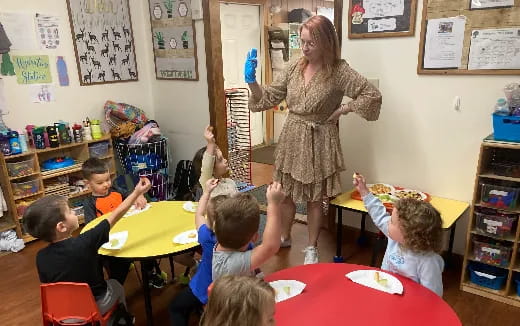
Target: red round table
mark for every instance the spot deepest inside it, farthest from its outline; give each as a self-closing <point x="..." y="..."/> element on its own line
<point x="330" y="298"/>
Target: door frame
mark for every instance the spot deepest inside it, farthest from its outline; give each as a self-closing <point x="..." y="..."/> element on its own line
<point x="214" y="63"/>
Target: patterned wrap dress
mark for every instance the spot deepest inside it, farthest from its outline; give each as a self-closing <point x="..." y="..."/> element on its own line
<point x="308" y="157"/>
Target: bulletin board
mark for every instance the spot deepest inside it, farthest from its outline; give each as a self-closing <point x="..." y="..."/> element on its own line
<point x="173" y="37"/>
<point x="103" y="41"/>
<point x="381" y="18"/>
<point x="491" y="37"/>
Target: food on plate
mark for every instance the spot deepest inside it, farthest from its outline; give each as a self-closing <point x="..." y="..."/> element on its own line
<point x="192" y="235"/>
<point x="379" y="189"/>
<point x="409" y="194"/>
<point x="379" y="280"/>
<point x="114" y="242"/>
<point x="386" y="198"/>
<point x="287" y="290"/>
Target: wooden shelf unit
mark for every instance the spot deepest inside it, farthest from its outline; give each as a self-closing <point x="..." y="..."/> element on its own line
<point x="78" y="151"/>
<point x="491" y="151"/>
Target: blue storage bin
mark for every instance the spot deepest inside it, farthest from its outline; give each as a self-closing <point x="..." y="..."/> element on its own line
<point x="506" y="128"/>
<point x="496" y="283"/>
<point x="517" y="281"/>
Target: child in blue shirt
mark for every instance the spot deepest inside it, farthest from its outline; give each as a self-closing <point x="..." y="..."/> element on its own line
<point x="196" y="294"/>
<point x="414" y="231"/>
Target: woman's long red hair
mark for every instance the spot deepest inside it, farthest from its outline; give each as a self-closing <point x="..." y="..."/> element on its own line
<point x="324" y="35"/>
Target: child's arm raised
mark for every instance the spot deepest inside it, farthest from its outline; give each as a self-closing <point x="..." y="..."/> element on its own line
<point x="141" y="187"/>
<point x="375" y="207"/>
<point x="208" y="159"/>
<point x="272" y="233"/>
<point x="203" y="202"/>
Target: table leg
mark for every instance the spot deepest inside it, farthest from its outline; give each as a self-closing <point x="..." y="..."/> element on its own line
<point x="146" y="293"/>
<point x="362" y="239"/>
<point x="339" y="237"/>
<point x="380" y="240"/>
<point x="170" y="258"/>
<point x="449" y="255"/>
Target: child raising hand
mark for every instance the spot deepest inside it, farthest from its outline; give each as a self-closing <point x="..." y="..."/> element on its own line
<point x="414" y="231"/>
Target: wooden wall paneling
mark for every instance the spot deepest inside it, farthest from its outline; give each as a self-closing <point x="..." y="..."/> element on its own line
<point x="216" y="94"/>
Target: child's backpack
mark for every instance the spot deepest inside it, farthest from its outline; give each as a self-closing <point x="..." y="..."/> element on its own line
<point x="184" y="181"/>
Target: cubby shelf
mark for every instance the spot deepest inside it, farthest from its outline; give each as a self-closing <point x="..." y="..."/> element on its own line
<point x="78" y="151"/>
<point x="494" y="152"/>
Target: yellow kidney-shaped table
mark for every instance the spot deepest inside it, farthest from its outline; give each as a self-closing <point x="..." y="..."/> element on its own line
<point x="150" y="236"/>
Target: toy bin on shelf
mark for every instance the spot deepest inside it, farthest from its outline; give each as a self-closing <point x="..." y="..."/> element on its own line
<point x="499" y="196"/>
<point x="487" y="276"/>
<point x="517" y="283"/>
<point x="495" y="253"/>
<point x="506" y="128"/>
<point x="18" y="169"/>
<point x="25" y="188"/>
<point x="500" y="224"/>
<point x="98" y="149"/>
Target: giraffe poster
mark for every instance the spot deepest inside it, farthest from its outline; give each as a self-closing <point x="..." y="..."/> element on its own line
<point x="173" y="36"/>
<point x="103" y="41"/>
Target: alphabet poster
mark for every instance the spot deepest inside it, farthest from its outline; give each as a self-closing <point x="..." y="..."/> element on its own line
<point x="103" y="41"/>
<point x="173" y="35"/>
<point x="32" y="69"/>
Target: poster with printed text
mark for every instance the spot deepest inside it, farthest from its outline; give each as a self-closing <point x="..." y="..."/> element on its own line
<point x="33" y="69"/>
<point x="103" y="41"/>
<point x="173" y="36"/>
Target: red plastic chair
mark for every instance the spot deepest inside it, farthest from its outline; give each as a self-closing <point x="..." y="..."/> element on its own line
<point x="67" y="303"/>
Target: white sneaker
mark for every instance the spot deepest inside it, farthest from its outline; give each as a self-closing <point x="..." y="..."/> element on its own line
<point x="311" y="255"/>
<point x="285" y="243"/>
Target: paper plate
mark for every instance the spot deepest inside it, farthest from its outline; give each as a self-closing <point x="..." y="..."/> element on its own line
<point x="186" y="237"/>
<point x="380" y="188"/>
<point x="116" y="240"/>
<point x="190" y="206"/>
<point x="133" y="210"/>
<point x="368" y="278"/>
<point x="413" y="194"/>
<point x="286" y="289"/>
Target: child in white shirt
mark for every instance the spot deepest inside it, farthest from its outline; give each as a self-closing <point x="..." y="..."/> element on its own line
<point x="414" y="232"/>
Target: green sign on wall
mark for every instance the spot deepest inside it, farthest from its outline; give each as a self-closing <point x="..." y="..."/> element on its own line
<point x="32" y="69"/>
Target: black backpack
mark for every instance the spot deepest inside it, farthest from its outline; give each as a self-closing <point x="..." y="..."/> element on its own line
<point x="184" y="181"/>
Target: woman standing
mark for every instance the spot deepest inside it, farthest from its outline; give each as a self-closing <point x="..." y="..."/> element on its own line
<point x="308" y="157"/>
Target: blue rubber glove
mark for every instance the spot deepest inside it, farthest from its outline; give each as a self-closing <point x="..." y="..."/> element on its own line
<point x="250" y="67"/>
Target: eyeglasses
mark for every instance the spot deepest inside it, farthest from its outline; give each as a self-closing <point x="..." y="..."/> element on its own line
<point x="309" y="44"/>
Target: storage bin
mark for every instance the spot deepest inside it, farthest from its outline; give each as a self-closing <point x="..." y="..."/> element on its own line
<point x="506" y="169"/>
<point x="25" y="188"/>
<point x="21" y="206"/>
<point x="506" y="128"/>
<point x="98" y="149"/>
<point x="18" y="169"/>
<point x="499" y="196"/>
<point x="487" y="276"/>
<point x="492" y="253"/>
<point x="517" y="282"/>
<point x="499" y="225"/>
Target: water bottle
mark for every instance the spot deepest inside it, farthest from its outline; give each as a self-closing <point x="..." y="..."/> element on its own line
<point x="23" y="141"/>
<point x="54" y="139"/>
<point x="96" y="129"/>
<point x="14" y="142"/>
<point x="87" y="133"/>
<point x="62" y="71"/>
<point x="501" y="107"/>
<point x="515" y="104"/>
<point x="39" y="140"/>
<point x="5" y="146"/>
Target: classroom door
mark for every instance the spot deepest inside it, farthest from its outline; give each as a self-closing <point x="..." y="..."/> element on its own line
<point x="241" y="31"/>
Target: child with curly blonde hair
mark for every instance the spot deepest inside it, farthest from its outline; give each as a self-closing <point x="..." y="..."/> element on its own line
<point x="414" y="231"/>
<point x="240" y="301"/>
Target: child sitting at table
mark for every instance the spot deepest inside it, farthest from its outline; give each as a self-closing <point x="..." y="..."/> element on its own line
<point x="76" y="259"/>
<point x="196" y="294"/>
<point x="236" y="226"/>
<point x="240" y="301"/>
<point x="414" y="231"/>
